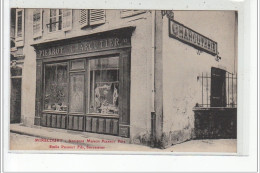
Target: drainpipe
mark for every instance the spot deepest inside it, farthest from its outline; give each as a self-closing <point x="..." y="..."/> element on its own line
<point x="153" y="56"/>
<point x="153" y="116"/>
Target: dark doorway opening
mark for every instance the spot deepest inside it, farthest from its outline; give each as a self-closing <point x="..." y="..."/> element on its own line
<point x="15" y="110"/>
<point x="218" y="88"/>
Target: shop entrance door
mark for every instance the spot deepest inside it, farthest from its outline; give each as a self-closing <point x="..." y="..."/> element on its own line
<point x="15" y="110"/>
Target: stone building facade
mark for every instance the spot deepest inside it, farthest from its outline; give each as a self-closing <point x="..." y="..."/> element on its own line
<point x="122" y="73"/>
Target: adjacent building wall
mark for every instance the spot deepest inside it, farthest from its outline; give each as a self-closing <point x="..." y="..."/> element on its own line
<point x="182" y="65"/>
<point x="141" y="69"/>
<point x="29" y="72"/>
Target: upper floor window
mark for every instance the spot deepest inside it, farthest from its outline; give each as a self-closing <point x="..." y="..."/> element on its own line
<point x="92" y="17"/>
<point x="19" y="28"/>
<point x="55" y="20"/>
<point x="60" y="19"/>
<point x="19" y="23"/>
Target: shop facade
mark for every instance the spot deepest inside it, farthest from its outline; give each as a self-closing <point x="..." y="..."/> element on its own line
<point x="84" y="84"/>
<point x="121" y="73"/>
<point x="88" y="74"/>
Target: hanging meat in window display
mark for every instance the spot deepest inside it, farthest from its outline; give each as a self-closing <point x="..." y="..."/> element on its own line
<point x="104" y="91"/>
<point x="106" y="99"/>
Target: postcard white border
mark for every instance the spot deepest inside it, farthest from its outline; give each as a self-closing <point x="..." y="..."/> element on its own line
<point x="247" y="100"/>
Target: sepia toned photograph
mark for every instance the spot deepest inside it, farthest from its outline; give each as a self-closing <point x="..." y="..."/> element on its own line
<point x="123" y="80"/>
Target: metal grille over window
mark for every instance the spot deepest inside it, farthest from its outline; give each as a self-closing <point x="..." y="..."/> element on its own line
<point x="129" y="13"/>
<point x="83" y="21"/>
<point x="104" y="85"/>
<point x="97" y="17"/>
<point x="37" y="23"/>
<point x="218" y="89"/>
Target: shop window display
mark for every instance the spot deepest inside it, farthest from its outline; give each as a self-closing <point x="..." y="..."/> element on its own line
<point x="104" y="85"/>
<point x="56" y="87"/>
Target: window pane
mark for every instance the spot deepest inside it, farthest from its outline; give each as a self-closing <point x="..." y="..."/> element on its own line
<point x="62" y="86"/>
<point x="60" y="12"/>
<point x="60" y="23"/>
<point x="49" y="101"/>
<point x="104" y="85"/>
<point x="56" y="87"/>
<point x="53" y="20"/>
<point x="52" y="24"/>
<point x="19" y="24"/>
<point x="53" y="12"/>
<point x="60" y="19"/>
<point x="77" y="93"/>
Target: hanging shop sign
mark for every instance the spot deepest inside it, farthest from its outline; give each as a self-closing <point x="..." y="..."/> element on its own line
<point x="192" y="38"/>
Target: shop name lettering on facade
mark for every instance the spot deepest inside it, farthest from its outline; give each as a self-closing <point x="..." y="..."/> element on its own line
<point x="192" y="38"/>
<point x="83" y="46"/>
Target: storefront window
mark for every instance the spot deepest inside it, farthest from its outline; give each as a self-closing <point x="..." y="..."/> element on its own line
<point x="104" y="85"/>
<point x="56" y="87"/>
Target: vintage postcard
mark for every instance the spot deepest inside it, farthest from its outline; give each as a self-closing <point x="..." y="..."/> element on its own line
<point x="123" y="80"/>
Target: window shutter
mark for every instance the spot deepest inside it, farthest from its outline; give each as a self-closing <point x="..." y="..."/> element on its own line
<point x="19" y="26"/>
<point x="83" y="18"/>
<point x="97" y="17"/>
<point x="66" y="20"/>
<point x="37" y="23"/>
<point x="129" y="13"/>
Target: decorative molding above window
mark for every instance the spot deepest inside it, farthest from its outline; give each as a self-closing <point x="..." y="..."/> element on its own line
<point x="130" y="13"/>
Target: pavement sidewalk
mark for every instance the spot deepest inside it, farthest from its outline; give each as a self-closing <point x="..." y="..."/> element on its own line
<point x="114" y="143"/>
<point x="111" y="143"/>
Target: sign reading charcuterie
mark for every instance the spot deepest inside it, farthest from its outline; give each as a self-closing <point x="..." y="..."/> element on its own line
<point x="192" y="38"/>
<point x="83" y="46"/>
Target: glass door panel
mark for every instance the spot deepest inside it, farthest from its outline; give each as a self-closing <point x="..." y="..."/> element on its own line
<point x="77" y="81"/>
